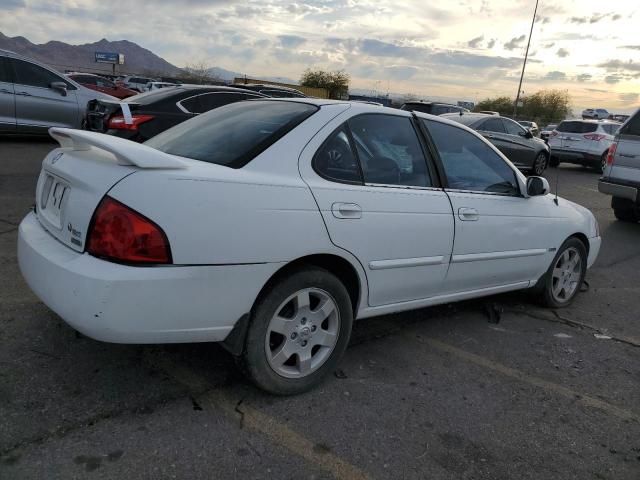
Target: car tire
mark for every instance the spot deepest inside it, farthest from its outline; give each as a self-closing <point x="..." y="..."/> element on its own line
<point x="298" y="331"/>
<point x="625" y="210"/>
<point x="561" y="283"/>
<point x="554" y="162"/>
<point x="540" y="164"/>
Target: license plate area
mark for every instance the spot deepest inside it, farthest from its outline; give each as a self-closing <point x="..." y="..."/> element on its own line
<point x="53" y="199"/>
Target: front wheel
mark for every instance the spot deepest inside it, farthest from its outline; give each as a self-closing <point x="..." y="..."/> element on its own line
<point x="561" y="283"/>
<point x="298" y="332"/>
<point x="539" y="164"/>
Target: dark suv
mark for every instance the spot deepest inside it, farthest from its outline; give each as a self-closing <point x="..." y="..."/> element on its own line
<point x="621" y="176"/>
<point x="432" y="108"/>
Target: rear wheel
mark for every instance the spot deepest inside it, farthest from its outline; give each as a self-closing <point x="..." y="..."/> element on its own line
<point x="625" y="210"/>
<point x="560" y="285"/>
<point x="299" y="330"/>
<point x="540" y="164"/>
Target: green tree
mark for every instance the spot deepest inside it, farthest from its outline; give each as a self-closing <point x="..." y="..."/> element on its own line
<point x="543" y="107"/>
<point x="336" y="82"/>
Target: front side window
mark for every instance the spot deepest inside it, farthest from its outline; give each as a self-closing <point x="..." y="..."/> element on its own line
<point x="335" y="159"/>
<point x="512" y="127"/>
<point x="493" y="125"/>
<point x="469" y="163"/>
<point x="27" y="73"/>
<point x="632" y="127"/>
<point x="389" y="150"/>
<point x="234" y="134"/>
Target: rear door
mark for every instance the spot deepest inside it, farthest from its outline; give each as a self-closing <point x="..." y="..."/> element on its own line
<point x="381" y="202"/>
<point x="493" y="130"/>
<point x="7" y="98"/>
<point x="522" y="150"/>
<point x="38" y="106"/>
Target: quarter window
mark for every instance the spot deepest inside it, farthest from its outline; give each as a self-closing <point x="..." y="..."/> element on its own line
<point x="469" y="163"/>
<point x="335" y="159"/>
<point x="389" y="150"/>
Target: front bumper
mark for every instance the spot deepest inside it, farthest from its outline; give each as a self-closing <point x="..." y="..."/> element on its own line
<point x="594" y="249"/>
<point x="617" y="190"/>
<point x="124" y="304"/>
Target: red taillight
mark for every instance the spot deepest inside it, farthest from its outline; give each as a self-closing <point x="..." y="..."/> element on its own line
<point x="117" y="122"/>
<point x="594" y="136"/>
<point x="120" y="234"/>
<point x="611" y="153"/>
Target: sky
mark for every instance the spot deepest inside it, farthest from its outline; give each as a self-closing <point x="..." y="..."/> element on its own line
<point x="457" y="49"/>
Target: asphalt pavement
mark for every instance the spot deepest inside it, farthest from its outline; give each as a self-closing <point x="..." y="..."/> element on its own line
<point x="450" y="392"/>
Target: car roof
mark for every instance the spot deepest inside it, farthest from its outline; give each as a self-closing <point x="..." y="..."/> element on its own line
<point x="429" y="102"/>
<point x="266" y="85"/>
<point x="591" y="120"/>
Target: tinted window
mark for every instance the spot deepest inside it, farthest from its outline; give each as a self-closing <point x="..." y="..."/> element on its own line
<point x="27" y="73"/>
<point x="389" y="150"/>
<point x="335" y="159"/>
<point x="234" y="134"/>
<point x="5" y="74"/>
<point x="84" y="79"/>
<point x="632" y="127"/>
<point x="493" y="125"/>
<point x="577" y="127"/>
<point x="512" y="127"/>
<point x="469" y="163"/>
<point x="418" y="107"/>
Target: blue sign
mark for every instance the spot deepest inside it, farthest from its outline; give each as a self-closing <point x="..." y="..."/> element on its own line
<point x="109" y="57"/>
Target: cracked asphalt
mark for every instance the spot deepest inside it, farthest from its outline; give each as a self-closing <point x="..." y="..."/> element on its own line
<point x="442" y="393"/>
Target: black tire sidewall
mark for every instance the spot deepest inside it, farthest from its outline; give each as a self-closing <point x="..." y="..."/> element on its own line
<point x="254" y="359"/>
<point x="537" y="160"/>
<point x="546" y="293"/>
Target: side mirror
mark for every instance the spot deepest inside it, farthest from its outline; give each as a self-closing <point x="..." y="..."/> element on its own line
<point x="60" y="87"/>
<point x="527" y="133"/>
<point x="537" y="186"/>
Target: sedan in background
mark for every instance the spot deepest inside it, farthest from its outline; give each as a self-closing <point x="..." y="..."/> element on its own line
<point x="595" y="113"/>
<point x="34" y="97"/>
<point x="136" y="83"/>
<point x="533" y="126"/>
<point x="432" y="108"/>
<point x="141" y="117"/>
<point x="274" y="91"/>
<point x="585" y="142"/>
<point x="527" y="152"/>
<point x="101" y="84"/>
<point x="271" y="225"/>
<point x="546" y="131"/>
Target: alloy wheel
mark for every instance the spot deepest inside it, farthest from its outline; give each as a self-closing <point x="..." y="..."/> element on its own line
<point x="540" y="164"/>
<point x="566" y="275"/>
<point x="302" y="333"/>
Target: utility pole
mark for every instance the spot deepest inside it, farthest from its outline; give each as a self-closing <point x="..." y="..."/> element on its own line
<point x="524" y="64"/>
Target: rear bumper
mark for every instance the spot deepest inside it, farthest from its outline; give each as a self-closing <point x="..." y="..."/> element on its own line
<point x="124" y="304"/>
<point x="572" y="156"/>
<point x="618" y="190"/>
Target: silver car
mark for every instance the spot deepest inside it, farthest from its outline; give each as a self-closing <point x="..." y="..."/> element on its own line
<point x="621" y="177"/>
<point x="34" y="97"/>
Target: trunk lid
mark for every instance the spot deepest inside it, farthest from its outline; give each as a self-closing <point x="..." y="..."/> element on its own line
<point x="75" y="177"/>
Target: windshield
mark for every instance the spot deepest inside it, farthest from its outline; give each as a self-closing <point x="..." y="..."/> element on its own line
<point x="234" y="134"/>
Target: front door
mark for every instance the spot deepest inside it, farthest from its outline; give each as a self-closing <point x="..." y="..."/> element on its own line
<point x="380" y="201"/>
<point x="7" y="98"/>
<point x="38" y="106"/>
<point x="522" y="150"/>
<point x="501" y="237"/>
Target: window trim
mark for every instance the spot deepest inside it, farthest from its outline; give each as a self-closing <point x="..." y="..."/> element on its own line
<point x="12" y="70"/>
<point x="442" y="172"/>
<point x="350" y="140"/>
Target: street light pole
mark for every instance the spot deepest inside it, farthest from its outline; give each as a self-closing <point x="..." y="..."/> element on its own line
<point x="524" y="64"/>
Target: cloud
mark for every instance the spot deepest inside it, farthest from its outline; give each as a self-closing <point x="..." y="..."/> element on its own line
<point x="542" y="20"/>
<point x="401" y="72"/>
<point x="562" y="52"/>
<point x="291" y="41"/>
<point x="549" y="45"/>
<point x="578" y="20"/>
<point x="475" y="42"/>
<point x="615" y="17"/>
<point x="617" y="65"/>
<point x="555" y="76"/>
<point x="584" y="77"/>
<point x="613" y="78"/>
<point x="630" y="47"/>
<point x="491" y="43"/>
<point x="515" y="42"/>
<point x="629" y="97"/>
<point x="11" y="4"/>
<point x="595" y="18"/>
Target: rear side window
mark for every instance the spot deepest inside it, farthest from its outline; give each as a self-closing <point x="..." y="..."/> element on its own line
<point x="512" y="127"/>
<point x="632" y="127"/>
<point x="493" y="125"/>
<point x="33" y="75"/>
<point x="577" y="127"/>
<point x="335" y="159"/>
<point x="234" y="134"/>
<point x="5" y="74"/>
<point x="611" y="129"/>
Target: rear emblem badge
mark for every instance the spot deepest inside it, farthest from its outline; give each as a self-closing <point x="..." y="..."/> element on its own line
<point x="56" y="157"/>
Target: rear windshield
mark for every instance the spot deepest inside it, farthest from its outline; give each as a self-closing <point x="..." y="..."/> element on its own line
<point x="463" y="119"/>
<point x="632" y="127"/>
<point x="577" y="127"/>
<point x="234" y="134"/>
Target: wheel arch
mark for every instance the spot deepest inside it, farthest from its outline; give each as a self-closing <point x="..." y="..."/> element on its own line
<point x="583" y="238"/>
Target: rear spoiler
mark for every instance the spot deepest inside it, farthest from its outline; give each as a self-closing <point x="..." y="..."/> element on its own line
<point x="125" y="151"/>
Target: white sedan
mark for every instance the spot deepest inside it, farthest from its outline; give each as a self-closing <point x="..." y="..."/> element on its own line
<point x="271" y="225"/>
